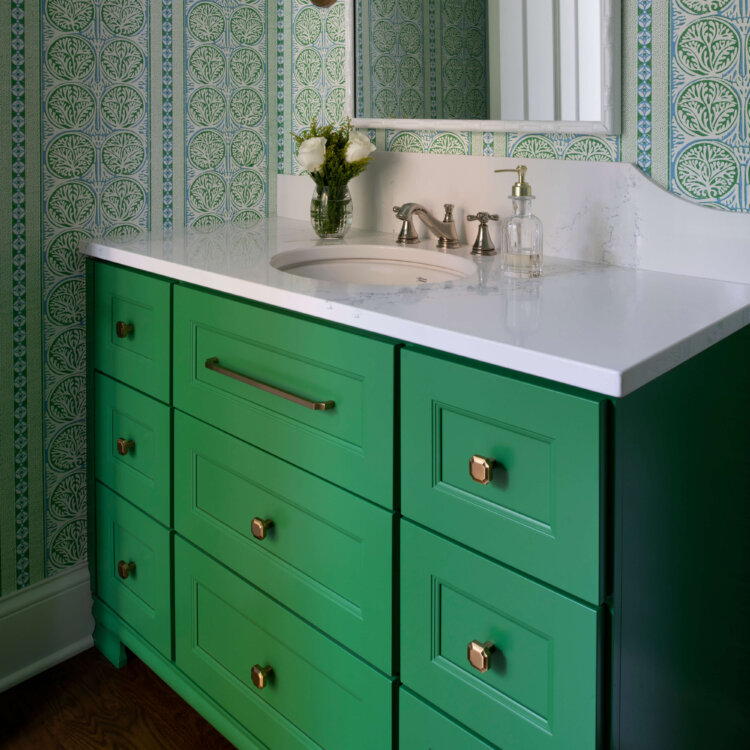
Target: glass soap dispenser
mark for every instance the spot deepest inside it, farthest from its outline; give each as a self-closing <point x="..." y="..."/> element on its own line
<point x="521" y="233"/>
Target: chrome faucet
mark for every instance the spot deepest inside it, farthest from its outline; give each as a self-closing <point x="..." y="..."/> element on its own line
<point x="444" y="230"/>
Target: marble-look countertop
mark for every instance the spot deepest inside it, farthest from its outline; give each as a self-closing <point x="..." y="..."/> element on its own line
<point x="599" y="327"/>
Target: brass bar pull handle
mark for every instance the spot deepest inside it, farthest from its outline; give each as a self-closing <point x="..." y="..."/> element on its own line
<point x="212" y="363"/>
<point x="123" y="329"/>
<point x="125" y="446"/>
<point x="260" y="676"/>
<point x="480" y="469"/>
<point x="260" y="526"/>
<point x="124" y="569"/>
<point x="479" y="655"/>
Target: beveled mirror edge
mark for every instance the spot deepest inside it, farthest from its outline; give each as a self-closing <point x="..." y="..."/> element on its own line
<point x="611" y="119"/>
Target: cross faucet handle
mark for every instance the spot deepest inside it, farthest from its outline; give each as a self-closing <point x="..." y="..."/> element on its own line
<point x="483" y="244"/>
<point x="482" y="217"/>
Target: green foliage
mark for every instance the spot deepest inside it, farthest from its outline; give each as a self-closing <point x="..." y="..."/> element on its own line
<point x="336" y="170"/>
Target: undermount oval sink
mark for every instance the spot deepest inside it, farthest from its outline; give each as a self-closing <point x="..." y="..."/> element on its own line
<point x="373" y="264"/>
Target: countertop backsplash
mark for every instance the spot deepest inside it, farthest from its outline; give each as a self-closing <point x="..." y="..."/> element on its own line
<point x="594" y="211"/>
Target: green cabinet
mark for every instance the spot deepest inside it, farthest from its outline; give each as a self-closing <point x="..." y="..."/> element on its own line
<point x="317" y="694"/>
<point x="347" y="438"/>
<point x="541" y="511"/>
<point x="133" y="436"/>
<point x="534" y="687"/>
<point x="320" y="550"/>
<point x="255" y="531"/>
<point x="421" y="727"/>
<point x="133" y="566"/>
<point x="356" y="543"/>
<point x="132" y="328"/>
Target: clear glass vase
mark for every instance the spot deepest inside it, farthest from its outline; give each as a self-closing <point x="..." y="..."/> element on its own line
<point x="331" y="211"/>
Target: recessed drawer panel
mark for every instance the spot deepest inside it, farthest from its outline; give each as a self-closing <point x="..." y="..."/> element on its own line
<point x="133" y="568"/>
<point x="132" y="328"/>
<point x="133" y="446"/>
<point x="222" y="344"/>
<point x="531" y="682"/>
<point x="423" y="728"/>
<point x="318" y="549"/>
<point x="508" y="468"/>
<point x="285" y="681"/>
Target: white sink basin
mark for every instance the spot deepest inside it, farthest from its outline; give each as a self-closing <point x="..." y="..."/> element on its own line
<point x="374" y="264"/>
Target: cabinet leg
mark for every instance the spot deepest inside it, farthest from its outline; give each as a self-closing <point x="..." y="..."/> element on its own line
<point x="109" y="645"/>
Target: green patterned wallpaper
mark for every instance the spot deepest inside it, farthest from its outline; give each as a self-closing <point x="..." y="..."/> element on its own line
<point x="423" y="58"/>
<point x="124" y="115"/>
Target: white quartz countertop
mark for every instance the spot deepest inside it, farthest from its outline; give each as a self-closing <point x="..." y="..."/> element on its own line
<point x="603" y="328"/>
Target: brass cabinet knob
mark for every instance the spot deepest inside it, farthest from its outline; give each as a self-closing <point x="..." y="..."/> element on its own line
<point x="260" y="527"/>
<point x="260" y="676"/>
<point x="123" y="329"/>
<point x="125" y="568"/>
<point x="480" y="469"/>
<point x="124" y="446"/>
<point x="479" y="655"/>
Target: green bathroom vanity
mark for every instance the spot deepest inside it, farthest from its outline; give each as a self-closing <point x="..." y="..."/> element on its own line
<point x="326" y="537"/>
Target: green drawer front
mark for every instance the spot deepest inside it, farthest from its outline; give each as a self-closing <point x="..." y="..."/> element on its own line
<point x="143" y="599"/>
<point x="142" y="473"/>
<point x="350" y="444"/>
<point x="422" y="728"/>
<point x="328" y="555"/>
<point x="319" y="695"/>
<point x="540" y="690"/>
<point x="541" y="511"/>
<point x="141" y="357"/>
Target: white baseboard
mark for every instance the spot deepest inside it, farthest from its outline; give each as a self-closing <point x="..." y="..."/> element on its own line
<point x="44" y="624"/>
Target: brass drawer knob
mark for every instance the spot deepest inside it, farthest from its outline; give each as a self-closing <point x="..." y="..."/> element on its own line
<point x="261" y="676"/>
<point x="124" y="446"/>
<point x="480" y="469"/>
<point x="124" y="569"/>
<point x="123" y="329"/>
<point x="260" y="527"/>
<point x="479" y="655"/>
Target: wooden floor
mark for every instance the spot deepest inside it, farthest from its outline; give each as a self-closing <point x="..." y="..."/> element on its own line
<point x="87" y="704"/>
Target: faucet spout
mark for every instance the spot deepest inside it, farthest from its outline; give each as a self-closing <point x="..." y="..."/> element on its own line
<point x="444" y="230"/>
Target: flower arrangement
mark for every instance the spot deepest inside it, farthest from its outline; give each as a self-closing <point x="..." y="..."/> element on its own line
<point x="332" y="156"/>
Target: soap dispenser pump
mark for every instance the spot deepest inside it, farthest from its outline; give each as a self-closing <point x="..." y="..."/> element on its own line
<point x="521" y="233"/>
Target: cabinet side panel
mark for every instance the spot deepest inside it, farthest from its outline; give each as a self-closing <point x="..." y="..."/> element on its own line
<point x="682" y="563"/>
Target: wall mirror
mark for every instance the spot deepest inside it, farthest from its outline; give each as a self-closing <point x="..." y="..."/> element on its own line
<point x="504" y="65"/>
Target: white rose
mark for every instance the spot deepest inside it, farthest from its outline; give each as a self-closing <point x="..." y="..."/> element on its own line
<point x="312" y="153"/>
<point x="359" y="147"/>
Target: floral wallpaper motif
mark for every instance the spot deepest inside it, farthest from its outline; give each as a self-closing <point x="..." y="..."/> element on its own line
<point x="710" y="144"/>
<point x="571" y="147"/>
<point x="446" y="77"/>
<point x="428" y="141"/>
<point x="319" y="64"/>
<point x="103" y="139"/>
<point x="95" y="149"/>
<point x="227" y="123"/>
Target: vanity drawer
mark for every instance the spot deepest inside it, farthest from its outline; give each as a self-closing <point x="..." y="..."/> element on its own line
<point x="133" y="446"/>
<point x="328" y="555"/>
<point x="132" y="328"/>
<point x="350" y="443"/>
<point x="541" y="511"/>
<point x="133" y="568"/>
<point x="423" y="728"/>
<point x="318" y="696"/>
<point x="539" y="692"/>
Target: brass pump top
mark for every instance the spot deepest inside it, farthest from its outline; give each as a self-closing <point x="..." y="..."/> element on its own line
<point x="521" y="189"/>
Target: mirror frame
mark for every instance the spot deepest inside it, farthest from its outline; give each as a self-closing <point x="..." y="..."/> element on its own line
<point x="608" y="124"/>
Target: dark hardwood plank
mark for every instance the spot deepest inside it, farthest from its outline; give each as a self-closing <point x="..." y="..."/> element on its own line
<point x="87" y="704"/>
